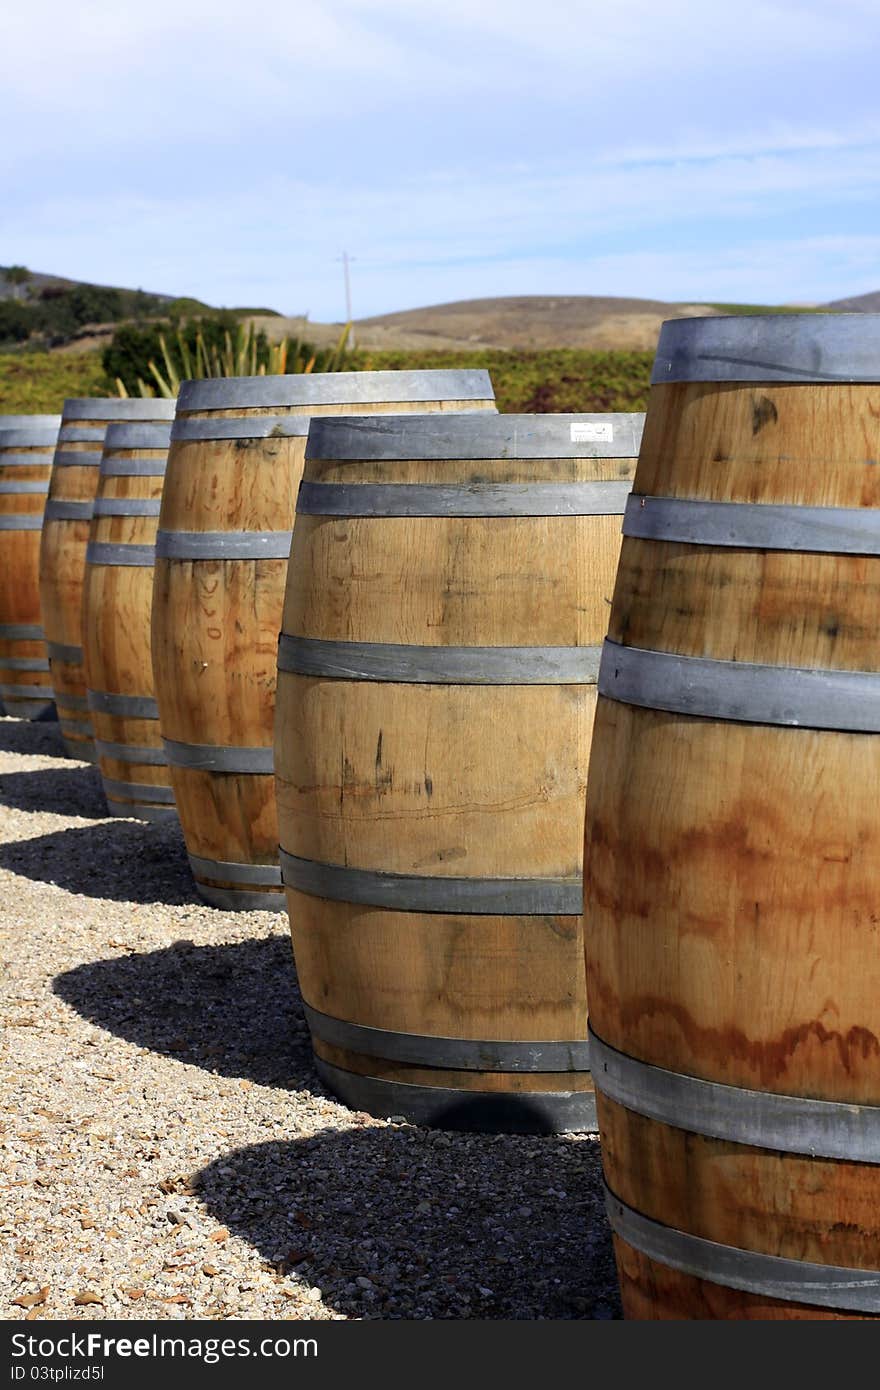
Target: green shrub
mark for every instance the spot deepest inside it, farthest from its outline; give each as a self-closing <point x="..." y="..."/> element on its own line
<point x="93" y="304"/>
<point x="18" y="276"/>
<point x="185" y="308"/>
<point x="16" y="323"/>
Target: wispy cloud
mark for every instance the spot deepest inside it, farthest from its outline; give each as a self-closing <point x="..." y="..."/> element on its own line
<point x="745" y="144"/>
<point x="196" y="147"/>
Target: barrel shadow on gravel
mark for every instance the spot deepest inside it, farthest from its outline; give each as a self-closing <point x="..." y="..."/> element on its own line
<point x="62" y="791"/>
<point x="233" y="1010"/>
<point x="39" y="738"/>
<point x="121" y="860"/>
<point x="434" y="1225"/>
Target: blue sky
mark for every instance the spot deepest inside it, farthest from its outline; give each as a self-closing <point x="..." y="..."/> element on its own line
<point x="457" y="148"/>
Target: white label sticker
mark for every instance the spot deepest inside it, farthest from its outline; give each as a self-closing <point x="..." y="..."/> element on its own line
<point x="592" y="433"/>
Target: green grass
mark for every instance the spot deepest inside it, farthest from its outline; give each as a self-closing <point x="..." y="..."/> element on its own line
<point x="764" y="309"/>
<point x="561" y="380"/>
<point x="565" y="379"/>
<point x="39" y="382"/>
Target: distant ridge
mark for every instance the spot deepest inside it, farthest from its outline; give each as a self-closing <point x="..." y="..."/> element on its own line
<point x="524" y="322"/>
<point x="858" y="304"/>
<point x="539" y="321"/>
<point x="512" y="322"/>
<point x="39" y="280"/>
<point x="41" y="311"/>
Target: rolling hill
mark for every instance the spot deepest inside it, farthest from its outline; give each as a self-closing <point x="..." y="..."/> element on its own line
<point x="540" y="321"/>
<point x="40" y="311"/>
<point x="859" y="304"/>
<point x="74" y="316"/>
<point x="529" y="323"/>
<point x="526" y="322"/>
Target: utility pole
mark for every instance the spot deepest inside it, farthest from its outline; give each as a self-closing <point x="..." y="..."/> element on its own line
<point x="346" y="262"/>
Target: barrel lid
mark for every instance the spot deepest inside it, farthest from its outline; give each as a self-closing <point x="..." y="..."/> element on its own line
<point x="478" y="435"/>
<point x="137" y="436"/>
<point x="28" y="437"/>
<point x="770" y="347"/>
<point x="334" y="388"/>
<point x="26" y="422"/>
<point x="119" y="408"/>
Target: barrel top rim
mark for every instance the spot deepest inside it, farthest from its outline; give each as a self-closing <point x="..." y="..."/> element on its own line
<point x="138" y="434"/>
<point x="26" y="422"/>
<point x="792" y="347"/>
<point x="467" y="435"/>
<point x="123" y="408"/>
<point x="33" y="437"/>
<point x="799" y="314"/>
<point x="335" y="388"/>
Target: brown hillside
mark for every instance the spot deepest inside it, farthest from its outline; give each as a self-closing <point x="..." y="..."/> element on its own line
<point x="858" y="304"/>
<point x="527" y="321"/>
<point x="541" y="321"/>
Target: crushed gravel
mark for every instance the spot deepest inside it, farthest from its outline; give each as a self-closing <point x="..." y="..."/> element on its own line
<point x="167" y="1149"/>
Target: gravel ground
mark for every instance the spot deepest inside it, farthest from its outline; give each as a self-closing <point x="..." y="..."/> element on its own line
<point x="167" y="1150"/>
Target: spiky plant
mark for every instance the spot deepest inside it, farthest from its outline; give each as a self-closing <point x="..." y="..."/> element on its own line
<point x="241" y="354"/>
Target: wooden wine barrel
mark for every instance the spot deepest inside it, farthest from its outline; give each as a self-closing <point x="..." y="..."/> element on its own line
<point x="446" y="600"/>
<point x="221" y="562"/>
<point x="117" y="601"/>
<point x="72" y="489"/>
<point x="732" y="863"/>
<point x="26" y="451"/>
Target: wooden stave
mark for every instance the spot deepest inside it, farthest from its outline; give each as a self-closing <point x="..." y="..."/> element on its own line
<point x="320" y="973"/>
<point x="117" y="599"/>
<point x="231" y="817"/>
<point x="20" y="601"/>
<point x="691" y="587"/>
